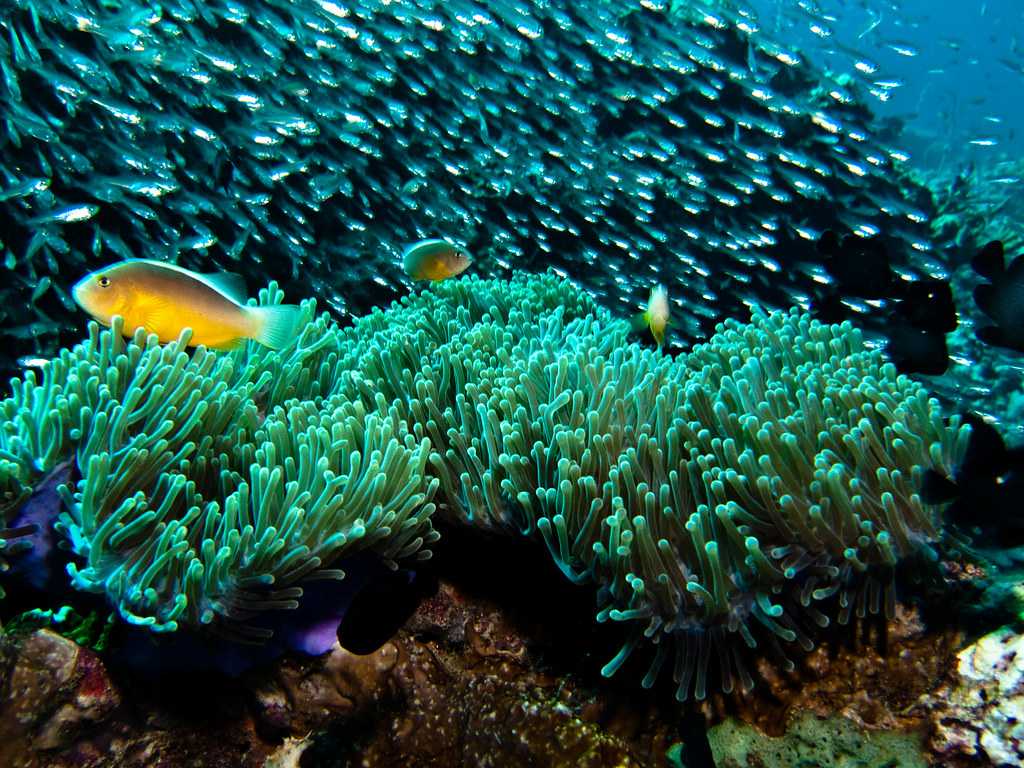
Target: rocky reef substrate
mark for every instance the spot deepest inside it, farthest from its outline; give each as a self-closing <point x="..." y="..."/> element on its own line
<point x="465" y="682"/>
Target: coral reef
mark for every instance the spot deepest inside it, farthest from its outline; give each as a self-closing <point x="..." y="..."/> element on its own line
<point x="469" y="675"/>
<point x="459" y="689"/>
<point x="54" y="693"/>
<point x="458" y="686"/>
<point x="727" y="507"/>
<point x="874" y="675"/>
<point x="613" y="141"/>
<point x="977" y="203"/>
<point x="981" y="715"/>
<point x="729" y="499"/>
<point x="62" y="707"/>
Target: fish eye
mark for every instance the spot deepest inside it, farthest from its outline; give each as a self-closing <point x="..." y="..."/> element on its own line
<point x="104" y="281"/>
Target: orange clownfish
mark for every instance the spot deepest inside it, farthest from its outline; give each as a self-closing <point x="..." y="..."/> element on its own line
<point x="656" y="316"/>
<point x="434" y="260"/>
<point x="164" y="299"/>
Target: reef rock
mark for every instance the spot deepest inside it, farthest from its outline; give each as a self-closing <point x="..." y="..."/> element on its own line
<point x="456" y="686"/>
<point x="863" y="699"/>
<point x="60" y="707"/>
<point x="467" y="681"/>
<point x="55" y="694"/>
<point x="302" y="694"/>
<point x="814" y="741"/>
<point x="980" y="719"/>
<point x="460" y="684"/>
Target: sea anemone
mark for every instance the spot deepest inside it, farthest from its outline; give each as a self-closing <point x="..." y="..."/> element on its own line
<point x="738" y="495"/>
<point x="209" y="489"/>
<point x="719" y="499"/>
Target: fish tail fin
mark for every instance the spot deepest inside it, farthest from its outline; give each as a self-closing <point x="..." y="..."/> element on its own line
<point x="640" y="321"/>
<point x="277" y="325"/>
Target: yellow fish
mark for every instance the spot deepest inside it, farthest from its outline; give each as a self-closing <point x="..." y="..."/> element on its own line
<point x="164" y="298"/>
<point x="434" y="260"/>
<point x="656" y="315"/>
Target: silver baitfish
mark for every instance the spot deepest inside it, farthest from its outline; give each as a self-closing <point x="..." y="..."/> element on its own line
<point x="614" y="144"/>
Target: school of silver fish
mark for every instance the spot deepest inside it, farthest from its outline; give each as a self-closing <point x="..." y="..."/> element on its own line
<point x="622" y="144"/>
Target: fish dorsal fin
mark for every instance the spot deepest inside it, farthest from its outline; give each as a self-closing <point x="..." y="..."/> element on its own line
<point x="230" y="284"/>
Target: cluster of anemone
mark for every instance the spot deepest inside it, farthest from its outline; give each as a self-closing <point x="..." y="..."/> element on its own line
<point x="207" y="486"/>
<point x="740" y="495"/>
<point x="717" y="499"/>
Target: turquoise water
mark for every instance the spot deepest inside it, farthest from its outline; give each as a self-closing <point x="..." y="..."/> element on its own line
<point x="311" y="143"/>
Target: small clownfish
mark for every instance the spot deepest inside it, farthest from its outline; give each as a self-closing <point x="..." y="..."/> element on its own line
<point x="434" y="260"/>
<point x="655" y="316"/>
<point x="164" y="299"/>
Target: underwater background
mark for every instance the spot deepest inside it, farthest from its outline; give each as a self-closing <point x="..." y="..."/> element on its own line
<point x="511" y="383"/>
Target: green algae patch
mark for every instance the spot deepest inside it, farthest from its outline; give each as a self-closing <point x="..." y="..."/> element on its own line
<point x="90" y="630"/>
<point x="815" y="742"/>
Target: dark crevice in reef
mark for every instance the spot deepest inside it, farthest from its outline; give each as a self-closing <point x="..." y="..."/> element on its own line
<point x="342" y="743"/>
<point x="519" y="575"/>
